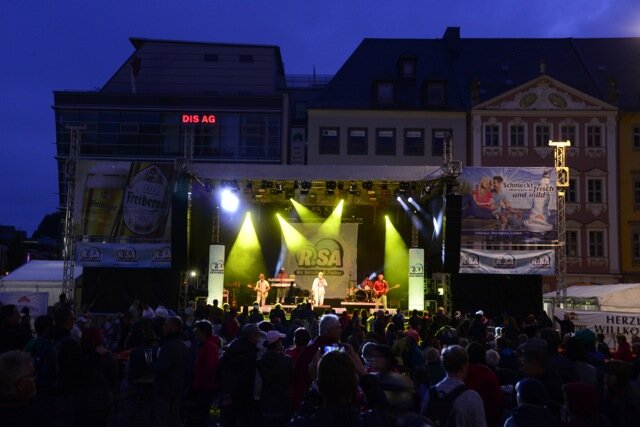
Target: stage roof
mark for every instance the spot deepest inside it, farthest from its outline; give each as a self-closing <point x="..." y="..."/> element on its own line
<point x="622" y="297"/>
<point x="39" y="272"/>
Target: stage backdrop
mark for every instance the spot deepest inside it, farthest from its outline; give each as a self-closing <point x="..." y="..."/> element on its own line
<point x="122" y="214"/>
<point x="335" y="255"/>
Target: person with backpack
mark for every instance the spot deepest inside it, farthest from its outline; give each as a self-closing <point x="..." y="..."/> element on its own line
<point x="450" y="403"/>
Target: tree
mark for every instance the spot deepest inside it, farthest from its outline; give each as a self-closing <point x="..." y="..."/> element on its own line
<point x="49" y="227"/>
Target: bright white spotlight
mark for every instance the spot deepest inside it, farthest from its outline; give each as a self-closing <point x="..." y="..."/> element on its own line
<point x="410" y="199"/>
<point x="229" y="201"/>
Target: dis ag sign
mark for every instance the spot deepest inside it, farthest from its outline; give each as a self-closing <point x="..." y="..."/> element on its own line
<point x="194" y="119"/>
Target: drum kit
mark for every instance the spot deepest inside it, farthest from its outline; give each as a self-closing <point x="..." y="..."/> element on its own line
<point x="362" y="292"/>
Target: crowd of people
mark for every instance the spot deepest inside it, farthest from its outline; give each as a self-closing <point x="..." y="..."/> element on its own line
<point x="210" y="365"/>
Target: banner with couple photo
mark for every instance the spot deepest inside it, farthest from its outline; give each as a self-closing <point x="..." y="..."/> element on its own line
<point x="509" y="205"/>
<point x="334" y="254"/>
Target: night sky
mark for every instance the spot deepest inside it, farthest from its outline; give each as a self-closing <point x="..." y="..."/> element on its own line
<point x="78" y="44"/>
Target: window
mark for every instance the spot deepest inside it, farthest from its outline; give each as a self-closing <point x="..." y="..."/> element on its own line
<point x="636" y="192"/>
<point x="491" y="135"/>
<point x="543" y="135"/>
<point x="210" y="57"/>
<point x="636" y="138"/>
<point x="596" y="244"/>
<point x="329" y="141"/>
<point x="408" y="67"/>
<point x="571" y="243"/>
<point x="572" y="191"/>
<point x="358" y="143"/>
<point x="384" y="93"/>
<point x="245" y="58"/>
<point x="635" y="246"/>
<point x="568" y="133"/>
<point x="385" y="142"/>
<point x="435" y="93"/>
<point x="516" y="135"/>
<point x="594" y="191"/>
<point x="413" y="142"/>
<point x="594" y="136"/>
<point x="438" y="140"/>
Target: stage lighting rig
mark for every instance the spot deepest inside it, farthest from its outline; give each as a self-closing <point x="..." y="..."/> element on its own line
<point x="330" y="187"/>
<point x="305" y="186"/>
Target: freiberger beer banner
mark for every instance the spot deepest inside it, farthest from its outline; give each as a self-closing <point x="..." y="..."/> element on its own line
<point x="509" y="205"/>
<point x="334" y="255"/>
<point x="511" y="262"/>
<point x="124" y="210"/>
<point x="609" y="323"/>
<point x="416" y="279"/>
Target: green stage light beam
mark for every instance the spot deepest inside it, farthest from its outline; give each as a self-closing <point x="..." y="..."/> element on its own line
<point x="245" y="261"/>
<point x="396" y="257"/>
<point x="331" y="225"/>
<point x="292" y="237"/>
<point x="305" y="214"/>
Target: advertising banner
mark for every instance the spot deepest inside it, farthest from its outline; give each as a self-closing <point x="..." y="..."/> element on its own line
<point x="509" y="205"/>
<point x="125" y="255"/>
<point x="333" y="254"/>
<point x="609" y="323"/>
<point x="126" y="207"/>
<point x="36" y="302"/>
<point x="513" y="262"/>
<point x="216" y="273"/>
<point x="416" y="279"/>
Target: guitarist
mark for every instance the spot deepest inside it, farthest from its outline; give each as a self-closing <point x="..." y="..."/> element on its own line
<point x="380" y="290"/>
<point x="262" y="290"/>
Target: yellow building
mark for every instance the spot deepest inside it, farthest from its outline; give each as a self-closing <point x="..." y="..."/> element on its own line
<point x="629" y="176"/>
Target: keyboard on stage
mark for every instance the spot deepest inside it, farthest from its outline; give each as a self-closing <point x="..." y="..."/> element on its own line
<point x="281" y="283"/>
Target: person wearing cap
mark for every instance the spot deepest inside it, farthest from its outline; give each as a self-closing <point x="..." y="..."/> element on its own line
<point x="276" y="370"/>
<point x="478" y="330"/>
<point x="238" y="377"/>
<point x="532" y="409"/>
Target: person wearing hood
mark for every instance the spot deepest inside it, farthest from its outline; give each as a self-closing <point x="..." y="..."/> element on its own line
<point x="170" y="372"/>
<point x="532" y="409"/>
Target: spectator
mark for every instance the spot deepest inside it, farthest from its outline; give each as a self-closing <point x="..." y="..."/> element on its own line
<point x="566" y="325"/>
<point x="532" y="409"/>
<point x="170" y="372"/>
<point x="576" y="351"/>
<point x="17" y="390"/>
<point x="276" y="370"/>
<point x="581" y="407"/>
<point x="12" y="336"/>
<point x="621" y="402"/>
<point x="205" y="375"/>
<point x="329" y="333"/>
<point x="481" y="379"/>
<point x="301" y="338"/>
<point x="237" y="378"/>
<point x="602" y="346"/>
<point x="467" y="409"/>
<point x="624" y="352"/>
<point x="435" y="370"/>
<point x="217" y="314"/>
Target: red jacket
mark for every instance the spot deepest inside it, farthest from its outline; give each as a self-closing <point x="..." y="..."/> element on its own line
<point x="205" y="374"/>
<point x="624" y="353"/>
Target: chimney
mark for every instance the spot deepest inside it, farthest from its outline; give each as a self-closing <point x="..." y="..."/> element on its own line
<point x="613" y="91"/>
<point x="452" y="38"/>
<point x="475" y="91"/>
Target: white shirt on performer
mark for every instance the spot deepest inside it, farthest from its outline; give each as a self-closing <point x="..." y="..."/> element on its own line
<point x="319" y="283"/>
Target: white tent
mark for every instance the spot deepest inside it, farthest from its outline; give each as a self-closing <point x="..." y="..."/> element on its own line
<point x="624" y="297"/>
<point x="38" y="276"/>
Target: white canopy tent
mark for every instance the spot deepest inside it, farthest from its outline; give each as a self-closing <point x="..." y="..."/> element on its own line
<point x="624" y="297"/>
<point x="38" y="276"/>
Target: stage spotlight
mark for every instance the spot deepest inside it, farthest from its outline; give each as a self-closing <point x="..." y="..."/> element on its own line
<point x="330" y="186"/>
<point x="279" y="188"/>
<point x="245" y="260"/>
<point x="305" y="187"/>
<point x="410" y="199"/>
<point x="396" y="255"/>
<point x="367" y="185"/>
<point x="248" y="187"/>
<point x="398" y="198"/>
<point x="267" y="184"/>
<point x="353" y="188"/>
<point x="229" y="201"/>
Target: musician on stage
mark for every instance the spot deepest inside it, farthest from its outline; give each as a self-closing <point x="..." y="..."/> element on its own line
<point x="380" y="290"/>
<point x="280" y="280"/>
<point x="318" y="287"/>
<point x="262" y="290"/>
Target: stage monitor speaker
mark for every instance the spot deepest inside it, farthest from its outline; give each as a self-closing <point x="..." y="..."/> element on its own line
<point x="453" y="218"/>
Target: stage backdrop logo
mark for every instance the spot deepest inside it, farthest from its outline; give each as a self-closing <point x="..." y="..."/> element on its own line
<point x="335" y="255"/>
<point x="514" y="262"/>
